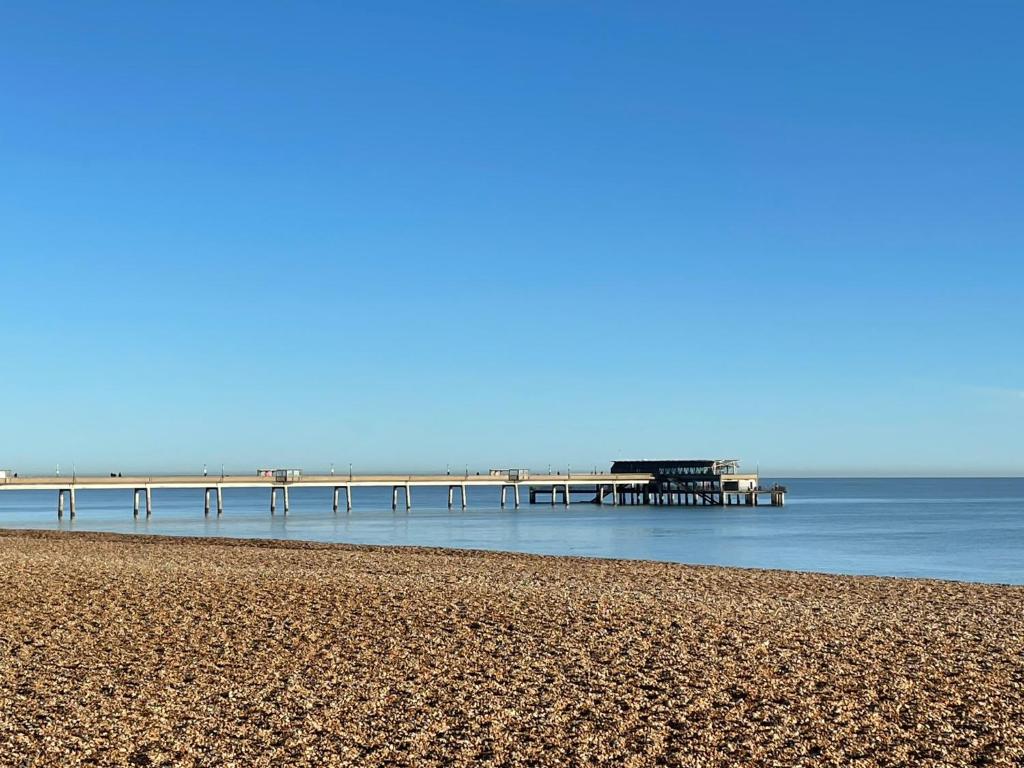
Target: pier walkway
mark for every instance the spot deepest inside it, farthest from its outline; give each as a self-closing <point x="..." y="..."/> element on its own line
<point x="599" y="488"/>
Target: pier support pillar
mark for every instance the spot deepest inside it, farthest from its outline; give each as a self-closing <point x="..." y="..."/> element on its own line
<point x="554" y="493"/>
<point x="149" y="501"/>
<point x="348" y="498"/>
<point x="220" y="501"/>
<point x="334" y="505"/>
<point x="206" y="502"/>
<point x="451" y="496"/>
<point x="273" y="500"/>
<point x="135" y="506"/>
<point x="515" y="494"/>
<point x="285" y="494"/>
<point x="60" y="502"/>
<point x="394" y="497"/>
<point x="567" y="495"/>
<point x="465" y="500"/>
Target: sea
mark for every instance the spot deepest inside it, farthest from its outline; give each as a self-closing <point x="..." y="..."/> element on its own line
<point x="966" y="529"/>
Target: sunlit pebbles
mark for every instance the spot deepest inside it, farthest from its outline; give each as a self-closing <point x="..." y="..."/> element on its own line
<point x="131" y="650"/>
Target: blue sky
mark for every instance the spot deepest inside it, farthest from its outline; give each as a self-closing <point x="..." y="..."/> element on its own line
<point x="512" y="233"/>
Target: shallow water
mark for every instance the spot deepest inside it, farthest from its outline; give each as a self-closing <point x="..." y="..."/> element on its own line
<point x="967" y="529"/>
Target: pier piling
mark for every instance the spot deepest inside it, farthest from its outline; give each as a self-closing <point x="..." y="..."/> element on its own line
<point x="394" y="497"/>
<point x="515" y="493"/>
<point x="451" y="495"/>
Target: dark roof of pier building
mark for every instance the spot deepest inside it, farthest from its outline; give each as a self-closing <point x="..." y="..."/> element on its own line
<point x="666" y="466"/>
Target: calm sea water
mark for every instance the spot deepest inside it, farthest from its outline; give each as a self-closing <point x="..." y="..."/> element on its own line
<point x="966" y="529"/>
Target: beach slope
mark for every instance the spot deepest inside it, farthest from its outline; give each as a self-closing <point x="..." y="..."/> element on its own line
<point x="120" y="650"/>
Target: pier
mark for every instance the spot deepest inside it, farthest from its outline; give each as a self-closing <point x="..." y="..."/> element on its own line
<point x="717" y="486"/>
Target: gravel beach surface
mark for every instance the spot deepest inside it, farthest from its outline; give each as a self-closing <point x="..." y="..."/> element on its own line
<point x="129" y="650"/>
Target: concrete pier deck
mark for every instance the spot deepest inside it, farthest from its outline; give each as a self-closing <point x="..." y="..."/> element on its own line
<point x="51" y="483"/>
<point x="599" y="488"/>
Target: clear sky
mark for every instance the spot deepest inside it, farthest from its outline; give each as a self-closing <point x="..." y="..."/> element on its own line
<point x="512" y="234"/>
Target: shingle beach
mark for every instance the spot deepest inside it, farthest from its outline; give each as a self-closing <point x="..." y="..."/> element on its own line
<point x="126" y="650"/>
